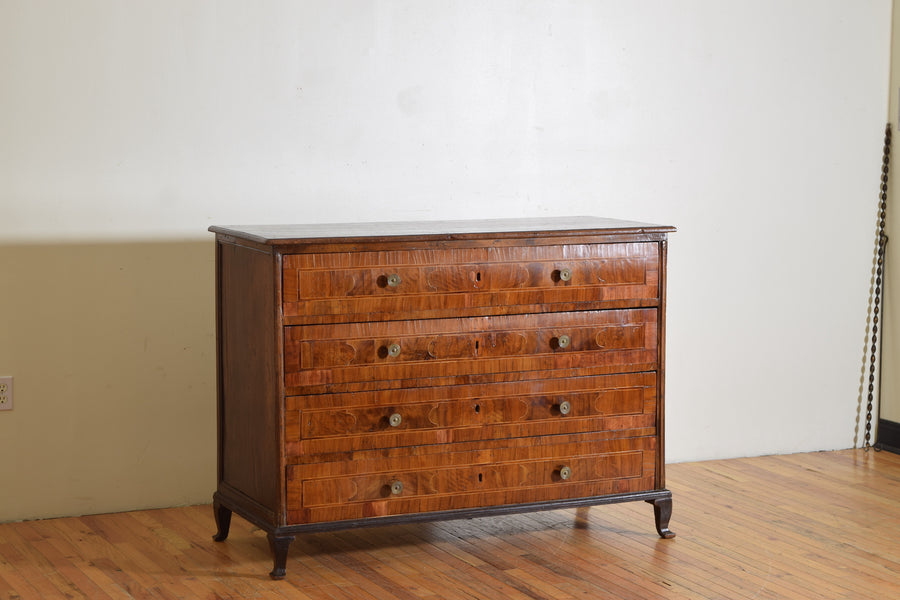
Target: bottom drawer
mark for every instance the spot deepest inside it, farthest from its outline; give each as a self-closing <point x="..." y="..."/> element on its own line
<point x="471" y="479"/>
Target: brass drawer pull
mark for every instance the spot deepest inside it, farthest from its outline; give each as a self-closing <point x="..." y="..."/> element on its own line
<point x="393" y="280"/>
<point x="565" y="473"/>
<point x="395" y="420"/>
<point x="397" y="488"/>
<point x="394" y="350"/>
<point x="565" y="407"/>
<point x="565" y="274"/>
<point x="563" y="341"/>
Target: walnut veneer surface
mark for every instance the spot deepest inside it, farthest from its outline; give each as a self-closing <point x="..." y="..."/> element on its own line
<point x="385" y="372"/>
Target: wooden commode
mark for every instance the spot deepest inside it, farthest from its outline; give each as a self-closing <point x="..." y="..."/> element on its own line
<point x="393" y="372"/>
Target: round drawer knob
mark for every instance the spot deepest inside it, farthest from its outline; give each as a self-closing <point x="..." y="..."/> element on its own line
<point x="393" y="280"/>
<point x="394" y="350"/>
<point x="564" y="341"/>
<point x="565" y="407"/>
<point x="395" y="420"/>
<point x="397" y="488"/>
<point x="565" y="274"/>
<point x="565" y="473"/>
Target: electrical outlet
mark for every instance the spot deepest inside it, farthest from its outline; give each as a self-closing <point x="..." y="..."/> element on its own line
<point x="6" y="393"/>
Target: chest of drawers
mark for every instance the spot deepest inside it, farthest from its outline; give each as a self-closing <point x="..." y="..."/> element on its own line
<point x="393" y="372"/>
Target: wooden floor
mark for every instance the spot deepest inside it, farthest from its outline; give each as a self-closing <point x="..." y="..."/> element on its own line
<point x="822" y="525"/>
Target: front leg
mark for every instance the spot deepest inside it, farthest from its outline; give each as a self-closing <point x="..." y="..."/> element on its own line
<point x="223" y="520"/>
<point x="662" y="511"/>
<point x="279" y="545"/>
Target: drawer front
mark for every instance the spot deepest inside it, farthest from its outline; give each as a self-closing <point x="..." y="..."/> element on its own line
<point x="453" y="480"/>
<point x="618" y="340"/>
<point x="391" y="285"/>
<point x="333" y="423"/>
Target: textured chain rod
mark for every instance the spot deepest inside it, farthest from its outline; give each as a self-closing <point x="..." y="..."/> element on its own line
<point x="879" y="264"/>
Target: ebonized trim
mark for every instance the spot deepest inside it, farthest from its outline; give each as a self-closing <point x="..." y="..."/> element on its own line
<point x="426" y="517"/>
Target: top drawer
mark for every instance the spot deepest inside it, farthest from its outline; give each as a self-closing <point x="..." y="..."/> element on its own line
<point x="440" y="282"/>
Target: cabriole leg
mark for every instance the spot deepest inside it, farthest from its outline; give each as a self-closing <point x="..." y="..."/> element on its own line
<point x="279" y="545"/>
<point x="223" y="520"/>
<point x="662" y="511"/>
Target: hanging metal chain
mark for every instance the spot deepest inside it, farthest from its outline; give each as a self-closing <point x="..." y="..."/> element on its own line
<point x="879" y="268"/>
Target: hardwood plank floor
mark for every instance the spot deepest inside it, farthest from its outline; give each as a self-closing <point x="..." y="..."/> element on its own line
<point x="803" y="526"/>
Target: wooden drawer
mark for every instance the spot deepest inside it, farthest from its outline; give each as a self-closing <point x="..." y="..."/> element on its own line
<point x="334" y="423"/>
<point x="402" y="284"/>
<point x="616" y="340"/>
<point x="454" y="479"/>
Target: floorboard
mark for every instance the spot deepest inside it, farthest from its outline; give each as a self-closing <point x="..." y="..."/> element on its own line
<point x="802" y="526"/>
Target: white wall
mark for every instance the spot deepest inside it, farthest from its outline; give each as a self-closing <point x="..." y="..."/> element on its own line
<point x="887" y="403"/>
<point x="754" y="127"/>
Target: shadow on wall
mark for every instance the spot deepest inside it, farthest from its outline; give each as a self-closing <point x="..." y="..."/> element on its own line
<point x="112" y="346"/>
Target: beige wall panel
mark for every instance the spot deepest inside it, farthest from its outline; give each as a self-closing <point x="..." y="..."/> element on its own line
<point x="112" y="350"/>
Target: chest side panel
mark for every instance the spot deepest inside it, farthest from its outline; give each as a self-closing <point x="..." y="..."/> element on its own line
<point x="248" y="365"/>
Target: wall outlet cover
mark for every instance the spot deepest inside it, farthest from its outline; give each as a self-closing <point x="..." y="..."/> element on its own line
<point x="6" y="393"/>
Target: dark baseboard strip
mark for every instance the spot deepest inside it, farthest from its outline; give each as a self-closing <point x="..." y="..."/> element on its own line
<point x="888" y="437"/>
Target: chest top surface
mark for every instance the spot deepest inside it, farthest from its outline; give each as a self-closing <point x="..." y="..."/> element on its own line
<point x="280" y="235"/>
